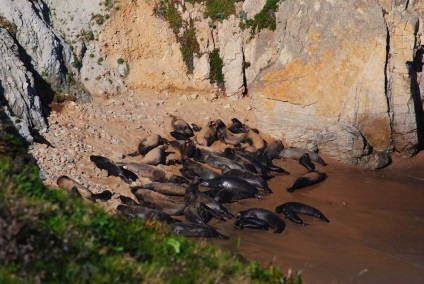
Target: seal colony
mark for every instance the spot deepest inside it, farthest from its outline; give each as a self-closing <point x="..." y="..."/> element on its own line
<point x="207" y="178"/>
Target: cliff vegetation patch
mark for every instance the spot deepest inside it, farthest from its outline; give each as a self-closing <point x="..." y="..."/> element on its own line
<point x="266" y="18"/>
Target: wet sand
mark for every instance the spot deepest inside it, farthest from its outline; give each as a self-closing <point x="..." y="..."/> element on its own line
<point x="376" y="233"/>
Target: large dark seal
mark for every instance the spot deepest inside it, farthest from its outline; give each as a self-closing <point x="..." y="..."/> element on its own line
<point x="305" y="161"/>
<point x="273" y="149"/>
<point x="112" y="169"/>
<point x="251" y="222"/>
<point x="197" y="212"/>
<point x="191" y="169"/>
<point x="216" y="209"/>
<point x="291" y="209"/>
<point x="228" y="137"/>
<point x="307" y="179"/>
<point x="74" y="187"/>
<point x="295" y="153"/>
<point x="270" y="217"/>
<point x="248" y="176"/>
<point x="196" y="230"/>
<point x="214" y="160"/>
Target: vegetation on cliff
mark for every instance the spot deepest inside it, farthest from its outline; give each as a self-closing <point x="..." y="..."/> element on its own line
<point x="266" y="18"/>
<point x="50" y="237"/>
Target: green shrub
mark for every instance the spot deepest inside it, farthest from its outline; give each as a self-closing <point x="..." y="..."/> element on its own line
<point x="265" y="19"/>
<point x="189" y="47"/>
<point x="120" y="61"/>
<point x="220" y="9"/>
<point x="216" y="64"/>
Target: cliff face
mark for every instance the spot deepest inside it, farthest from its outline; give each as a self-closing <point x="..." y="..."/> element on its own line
<point x="343" y="77"/>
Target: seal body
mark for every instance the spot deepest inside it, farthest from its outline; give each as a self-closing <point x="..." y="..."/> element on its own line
<point x="248" y="176"/>
<point x="74" y="187"/>
<point x="198" y="169"/>
<point x="251" y="222"/>
<point x="305" y="161"/>
<point x="148" y="143"/>
<point x="112" y="169"/>
<point x="207" y="135"/>
<point x="139" y="211"/>
<point x="180" y="125"/>
<point x="307" y="179"/>
<point x="153" y="173"/>
<point x="268" y="216"/>
<point x="158" y="201"/>
<point x="167" y="188"/>
<point x="196" y="230"/>
<point x="300" y="208"/>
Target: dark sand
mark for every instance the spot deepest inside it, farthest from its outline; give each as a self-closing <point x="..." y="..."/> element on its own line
<point x="376" y="233"/>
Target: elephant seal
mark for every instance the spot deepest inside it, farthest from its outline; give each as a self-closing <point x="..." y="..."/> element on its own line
<point x="255" y="140"/>
<point x="228" y="195"/>
<point x="230" y="153"/>
<point x="305" y="161"/>
<point x="196" y="230"/>
<point x="148" y="143"/>
<point x="75" y="188"/>
<point x="152" y="173"/>
<point x="197" y="212"/>
<point x="251" y="222"/>
<point x="290" y="209"/>
<point x="167" y="188"/>
<point x="273" y="149"/>
<point x="156" y="156"/>
<point x="112" y="169"/>
<point x="139" y="211"/>
<point x="216" y="209"/>
<point x="207" y="135"/>
<point x="214" y="160"/>
<point x="198" y="169"/>
<point x="296" y="153"/>
<point x="158" y="201"/>
<point x="229" y="182"/>
<point x="248" y="176"/>
<point x="307" y="179"/>
<point x="270" y="217"/>
<point x="237" y="126"/>
<point x="186" y="148"/>
<point x="180" y="125"/>
<point x="226" y="136"/>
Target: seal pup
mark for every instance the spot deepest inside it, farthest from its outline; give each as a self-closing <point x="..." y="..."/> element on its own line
<point x="139" y="211"/>
<point x="196" y="230"/>
<point x="273" y="149"/>
<point x="266" y="215"/>
<point x="207" y="135"/>
<point x="152" y="173"/>
<point x="148" y="143"/>
<point x="307" y="179"/>
<point x="291" y="209"/>
<point x="187" y="148"/>
<point x="180" y="125"/>
<point x="248" y="176"/>
<point x="112" y="169"/>
<point x="226" y="136"/>
<point x="305" y="161"/>
<point x="296" y="153"/>
<point x="74" y="187"/>
<point x="156" y="156"/>
<point x="255" y="140"/>
<point x="167" y="188"/>
<point x="158" y="201"/>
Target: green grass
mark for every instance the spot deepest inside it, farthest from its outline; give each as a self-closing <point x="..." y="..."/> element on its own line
<point x="220" y="9"/>
<point x="265" y="19"/>
<point x="189" y="47"/>
<point x="51" y="237"/>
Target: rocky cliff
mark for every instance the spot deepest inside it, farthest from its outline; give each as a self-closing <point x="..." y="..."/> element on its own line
<point x="344" y="77"/>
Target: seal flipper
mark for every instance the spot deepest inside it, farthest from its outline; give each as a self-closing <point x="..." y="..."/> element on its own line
<point x="322" y="217"/>
<point x="299" y="183"/>
<point x="295" y="218"/>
